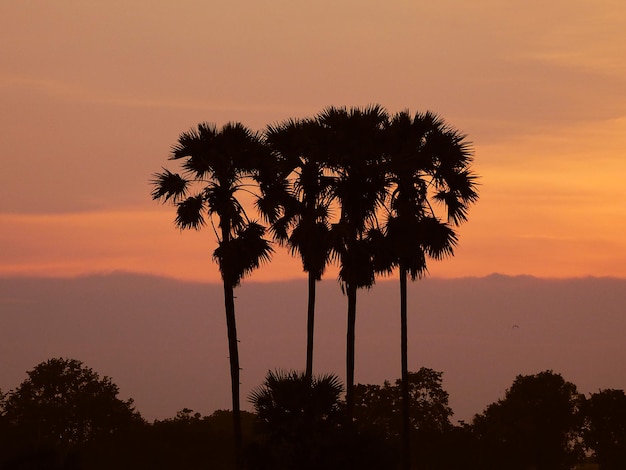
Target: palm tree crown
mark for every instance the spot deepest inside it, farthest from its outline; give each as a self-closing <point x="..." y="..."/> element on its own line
<point x="354" y="147"/>
<point x="306" y="207"/>
<point x="220" y="164"/>
<point x="428" y="165"/>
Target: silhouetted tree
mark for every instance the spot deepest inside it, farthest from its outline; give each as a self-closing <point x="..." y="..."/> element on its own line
<point x="192" y="441"/>
<point x="186" y="441"/>
<point x="220" y="163"/>
<point x="427" y="163"/>
<point x="300" y="419"/>
<point x="353" y="142"/>
<point x="62" y="407"/>
<point x="64" y="403"/>
<point x="304" y="225"/>
<point x="605" y="430"/>
<point x="381" y="407"/>
<point x="536" y="425"/>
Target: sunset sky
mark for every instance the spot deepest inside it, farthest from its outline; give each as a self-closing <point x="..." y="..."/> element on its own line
<point x="93" y="95"/>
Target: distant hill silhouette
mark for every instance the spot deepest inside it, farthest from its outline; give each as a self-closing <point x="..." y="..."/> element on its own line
<point x="163" y="341"/>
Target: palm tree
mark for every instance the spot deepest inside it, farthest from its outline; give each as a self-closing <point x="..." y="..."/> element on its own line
<point x="217" y="165"/>
<point x="427" y="163"/>
<point x="299" y="418"/>
<point x="304" y="224"/>
<point x="353" y="144"/>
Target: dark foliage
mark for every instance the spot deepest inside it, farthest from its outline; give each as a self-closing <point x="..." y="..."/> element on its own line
<point x="298" y="418"/>
<point x="301" y="425"/>
<point x="379" y="412"/>
<point x="379" y="407"/>
<point x="66" y="404"/>
<point x="605" y="430"/>
<point x="537" y="425"/>
<point x="62" y="407"/>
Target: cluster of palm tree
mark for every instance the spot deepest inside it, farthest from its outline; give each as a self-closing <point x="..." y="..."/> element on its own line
<point x="362" y="188"/>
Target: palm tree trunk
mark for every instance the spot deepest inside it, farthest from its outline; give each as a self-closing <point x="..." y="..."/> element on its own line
<point x="233" y="353"/>
<point x="406" y="405"/>
<point x="233" y="350"/>
<point x="351" y="290"/>
<point x="310" y="328"/>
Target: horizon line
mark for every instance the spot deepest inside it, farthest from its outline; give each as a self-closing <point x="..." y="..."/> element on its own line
<point x="383" y="279"/>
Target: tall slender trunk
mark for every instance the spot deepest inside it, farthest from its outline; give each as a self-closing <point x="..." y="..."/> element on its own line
<point x="351" y="290"/>
<point x="310" y="328"/>
<point x="406" y="405"/>
<point x="233" y="351"/>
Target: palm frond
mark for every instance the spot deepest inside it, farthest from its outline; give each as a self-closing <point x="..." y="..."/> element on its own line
<point x="416" y="266"/>
<point x="189" y="213"/>
<point x="404" y="235"/>
<point x="168" y="185"/>
<point x="274" y="197"/>
<point x="437" y="238"/>
<point x="280" y="229"/>
<point x="357" y="265"/>
<point x="243" y="148"/>
<point x="457" y="209"/>
<point x="242" y="254"/>
<point x="458" y="193"/>
<point x="384" y="256"/>
<point x="194" y="141"/>
<point x="311" y="239"/>
<point x="221" y="200"/>
<point x="195" y="147"/>
<point x="288" y="400"/>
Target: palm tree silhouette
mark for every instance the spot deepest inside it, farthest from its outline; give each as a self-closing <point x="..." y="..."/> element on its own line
<point x="300" y="419"/>
<point x="353" y="144"/>
<point x="427" y="162"/>
<point x="218" y="165"/>
<point x="304" y="225"/>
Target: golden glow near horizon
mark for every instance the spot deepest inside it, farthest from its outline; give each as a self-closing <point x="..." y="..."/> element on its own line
<point x="94" y="95"/>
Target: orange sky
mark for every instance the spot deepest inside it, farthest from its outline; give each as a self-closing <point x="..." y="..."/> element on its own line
<point x="93" y="94"/>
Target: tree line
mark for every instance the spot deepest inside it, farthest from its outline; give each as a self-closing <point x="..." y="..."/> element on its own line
<point x="65" y="416"/>
<point x="370" y="191"/>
